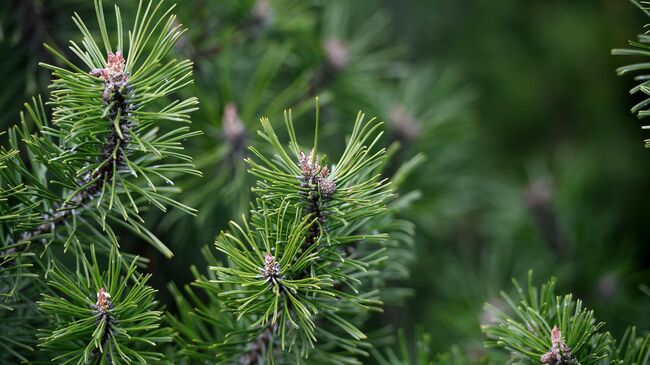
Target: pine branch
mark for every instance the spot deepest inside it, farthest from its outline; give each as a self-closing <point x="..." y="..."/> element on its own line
<point x="69" y="180"/>
<point x="547" y="328"/>
<point x="119" y="118"/>
<point x="639" y="49"/>
<point x="118" y="326"/>
<point x="631" y="350"/>
<point x="115" y="165"/>
<point x="306" y="267"/>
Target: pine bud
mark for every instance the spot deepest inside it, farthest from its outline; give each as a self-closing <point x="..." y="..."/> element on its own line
<point x="309" y="166"/>
<point x="262" y="12"/>
<point x="313" y="173"/>
<point x="234" y="132"/>
<point x="103" y="304"/>
<point x="97" y="72"/>
<point x="115" y="67"/>
<point x="608" y="285"/>
<point x="327" y="186"/>
<point x="539" y="194"/>
<point x="336" y="53"/>
<point x="114" y="75"/>
<point x="405" y="127"/>
<point x="271" y="269"/>
<point x="560" y="353"/>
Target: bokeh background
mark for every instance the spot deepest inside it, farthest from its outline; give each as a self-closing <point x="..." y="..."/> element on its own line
<point x="533" y="160"/>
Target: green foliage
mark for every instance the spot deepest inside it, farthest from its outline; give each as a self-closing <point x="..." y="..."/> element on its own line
<point x="24" y="27"/>
<point x="326" y="244"/>
<point x="202" y="319"/>
<point x="103" y="145"/>
<point x="639" y="48"/>
<point x="530" y="332"/>
<point x="70" y="181"/>
<point x="553" y="329"/>
<point x="307" y="246"/>
<point x="632" y="349"/>
<point x="287" y="61"/>
<point x="303" y="269"/>
<point x="119" y="326"/>
<point x="574" y="338"/>
<point x="356" y="56"/>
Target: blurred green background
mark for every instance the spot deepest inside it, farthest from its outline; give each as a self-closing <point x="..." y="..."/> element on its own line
<point x="561" y="180"/>
<point x="535" y="163"/>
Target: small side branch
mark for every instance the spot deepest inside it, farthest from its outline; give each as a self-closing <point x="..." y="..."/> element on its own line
<point x="119" y="120"/>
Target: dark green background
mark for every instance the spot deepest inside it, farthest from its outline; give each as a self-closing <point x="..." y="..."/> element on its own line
<point x="550" y="107"/>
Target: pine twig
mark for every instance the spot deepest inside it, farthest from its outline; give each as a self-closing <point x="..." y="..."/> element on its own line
<point x="115" y="95"/>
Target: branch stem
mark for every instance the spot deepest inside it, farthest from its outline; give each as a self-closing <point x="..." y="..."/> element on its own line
<point x="315" y="153"/>
<point x="113" y="151"/>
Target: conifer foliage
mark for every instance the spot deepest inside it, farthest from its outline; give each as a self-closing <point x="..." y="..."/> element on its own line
<point x="68" y="181"/>
<point x="120" y="327"/>
<point x="304" y="267"/>
<point x="544" y="318"/>
<point x="638" y="48"/>
<point x="299" y="275"/>
<point x="323" y="245"/>
<point x="542" y="327"/>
